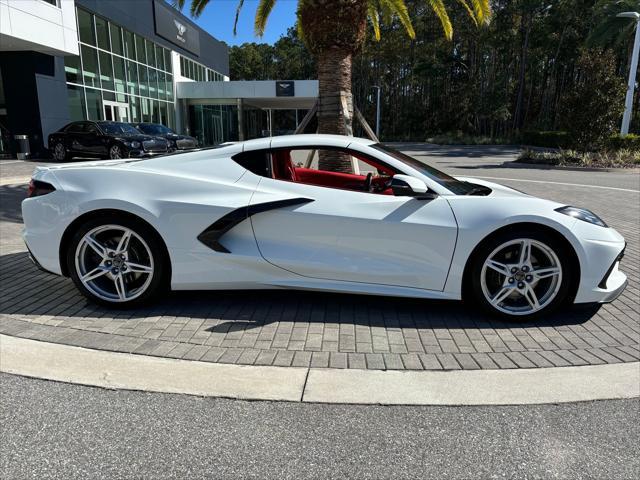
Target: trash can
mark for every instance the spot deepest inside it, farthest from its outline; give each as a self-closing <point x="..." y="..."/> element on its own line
<point x="23" y="147"/>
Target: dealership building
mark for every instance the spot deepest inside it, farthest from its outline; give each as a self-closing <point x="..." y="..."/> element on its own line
<point x="133" y="61"/>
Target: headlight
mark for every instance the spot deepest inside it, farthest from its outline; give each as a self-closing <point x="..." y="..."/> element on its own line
<point x="582" y="214"/>
<point x="135" y="144"/>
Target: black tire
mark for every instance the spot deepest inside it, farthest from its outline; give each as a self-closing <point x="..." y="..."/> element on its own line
<point x="124" y="153"/>
<point x="57" y="147"/>
<point x="474" y="295"/>
<point x="159" y="282"/>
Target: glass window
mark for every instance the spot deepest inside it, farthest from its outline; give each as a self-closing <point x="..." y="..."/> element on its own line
<point x="143" y="78"/>
<point x="140" y="55"/>
<point x="159" y="57"/>
<point x="153" y="83"/>
<point x="118" y="74"/>
<point x="155" y="111"/>
<point x="167" y="60"/>
<point x="75" y="100"/>
<point x="134" y="109"/>
<point x="106" y="71"/>
<point x="90" y="66"/>
<point x="151" y="56"/>
<point x="94" y="104"/>
<point x="132" y="78"/>
<point x="162" y="94"/>
<point x="129" y="45"/>
<point x="116" y="39"/>
<point x="72" y="69"/>
<point x="85" y="27"/>
<point x="144" y="110"/>
<point x="169" y="87"/>
<point x="107" y="95"/>
<point x="102" y="32"/>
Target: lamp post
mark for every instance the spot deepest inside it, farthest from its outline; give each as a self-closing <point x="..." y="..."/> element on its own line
<point x="626" y="119"/>
<point x="377" y="111"/>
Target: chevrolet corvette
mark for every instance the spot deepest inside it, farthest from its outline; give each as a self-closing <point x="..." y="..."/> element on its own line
<point x="285" y="213"/>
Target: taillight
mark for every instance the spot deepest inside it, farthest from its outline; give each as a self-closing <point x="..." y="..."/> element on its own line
<point x="38" y="188"/>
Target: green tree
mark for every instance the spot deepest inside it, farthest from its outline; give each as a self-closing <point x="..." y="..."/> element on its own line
<point x="596" y="102"/>
<point x="335" y="30"/>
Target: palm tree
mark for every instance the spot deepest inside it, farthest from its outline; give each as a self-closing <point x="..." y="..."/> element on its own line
<point x="333" y="31"/>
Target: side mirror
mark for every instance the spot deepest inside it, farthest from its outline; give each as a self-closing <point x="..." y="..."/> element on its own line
<point x="407" y="186"/>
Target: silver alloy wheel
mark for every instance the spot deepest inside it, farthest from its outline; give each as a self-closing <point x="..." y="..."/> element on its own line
<point x="59" y="152"/>
<point x="521" y="276"/>
<point x="114" y="263"/>
<point x="115" y="152"/>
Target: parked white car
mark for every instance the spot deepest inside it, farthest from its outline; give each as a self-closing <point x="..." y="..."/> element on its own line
<point x="260" y="214"/>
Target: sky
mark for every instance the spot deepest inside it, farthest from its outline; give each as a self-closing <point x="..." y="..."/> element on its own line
<point x="217" y="19"/>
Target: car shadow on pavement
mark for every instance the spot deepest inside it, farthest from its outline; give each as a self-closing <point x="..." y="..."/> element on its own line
<point x="27" y="291"/>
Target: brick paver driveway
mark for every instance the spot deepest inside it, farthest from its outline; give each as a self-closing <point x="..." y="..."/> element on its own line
<point x="344" y="331"/>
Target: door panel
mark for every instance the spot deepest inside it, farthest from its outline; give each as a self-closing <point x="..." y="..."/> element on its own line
<point x="356" y="236"/>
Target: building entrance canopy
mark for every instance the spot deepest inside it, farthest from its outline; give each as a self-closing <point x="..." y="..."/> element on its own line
<point x="217" y="112"/>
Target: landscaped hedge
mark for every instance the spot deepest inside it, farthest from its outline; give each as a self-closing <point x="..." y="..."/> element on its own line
<point x="564" y="140"/>
<point x="627" y="142"/>
<point x="550" y="139"/>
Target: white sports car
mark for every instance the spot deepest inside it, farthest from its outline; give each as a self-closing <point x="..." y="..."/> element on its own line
<point x="262" y="214"/>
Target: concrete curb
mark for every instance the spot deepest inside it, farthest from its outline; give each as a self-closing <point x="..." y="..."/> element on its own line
<point x="483" y="387"/>
<point x="14" y="181"/>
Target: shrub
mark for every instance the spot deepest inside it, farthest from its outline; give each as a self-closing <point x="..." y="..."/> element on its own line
<point x="546" y="139"/>
<point x="629" y="142"/>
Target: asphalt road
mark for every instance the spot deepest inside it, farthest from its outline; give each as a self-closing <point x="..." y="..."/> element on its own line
<point x="55" y="430"/>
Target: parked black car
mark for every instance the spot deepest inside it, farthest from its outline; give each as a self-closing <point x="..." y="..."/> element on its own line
<point x="176" y="141"/>
<point x="103" y="140"/>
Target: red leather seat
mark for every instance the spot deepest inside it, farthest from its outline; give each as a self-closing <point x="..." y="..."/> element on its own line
<point x="283" y="166"/>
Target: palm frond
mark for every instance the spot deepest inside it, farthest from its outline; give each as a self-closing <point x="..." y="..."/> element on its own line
<point x="482" y="10"/>
<point x="235" y="23"/>
<point x="441" y="12"/>
<point x="399" y="9"/>
<point x="197" y="6"/>
<point x="177" y="4"/>
<point x="374" y="18"/>
<point x="262" y="15"/>
<point x="471" y="13"/>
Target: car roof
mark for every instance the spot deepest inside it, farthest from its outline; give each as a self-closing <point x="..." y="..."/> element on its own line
<point x="315" y="139"/>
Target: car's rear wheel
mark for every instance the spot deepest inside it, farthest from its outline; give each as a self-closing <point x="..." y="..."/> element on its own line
<point x="521" y="275"/>
<point x="117" y="262"/>
<point x="60" y="152"/>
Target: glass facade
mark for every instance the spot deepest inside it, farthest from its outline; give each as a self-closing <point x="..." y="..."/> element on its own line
<point x="213" y="124"/>
<point x="119" y="75"/>
<point x="197" y="72"/>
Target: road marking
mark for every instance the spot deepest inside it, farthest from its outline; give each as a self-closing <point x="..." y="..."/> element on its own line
<point x="125" y="371"/>
<point x="6" y="162"/>
<point x="561" y="183"/>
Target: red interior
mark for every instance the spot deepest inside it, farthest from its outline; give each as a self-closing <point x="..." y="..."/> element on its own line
<point x="283" y="169"/>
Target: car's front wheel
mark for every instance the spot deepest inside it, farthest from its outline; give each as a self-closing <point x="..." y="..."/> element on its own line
<point x="117" y="261"/>
<point x="116" y="152"/>
<point x="521" y="275"/>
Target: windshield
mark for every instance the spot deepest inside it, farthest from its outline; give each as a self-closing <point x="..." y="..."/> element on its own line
<point x="118" y="128"/>
<point x="154" y="129"/>
<point x="447" y="181"/>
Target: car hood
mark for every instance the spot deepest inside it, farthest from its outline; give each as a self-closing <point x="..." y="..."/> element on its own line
<point x="176" y="136"/>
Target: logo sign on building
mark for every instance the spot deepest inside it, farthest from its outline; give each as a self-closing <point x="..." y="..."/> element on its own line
<point x="285" y="89"/>
<point x="171" y="26"/>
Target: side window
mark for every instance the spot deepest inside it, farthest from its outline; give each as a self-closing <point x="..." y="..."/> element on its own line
<point x="91" y="128"/>
<point x="331" y="168"/>
<point x="258" y="162"/>
<point x="75" y="128"/>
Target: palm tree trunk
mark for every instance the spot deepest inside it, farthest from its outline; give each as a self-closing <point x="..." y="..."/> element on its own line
<point x="335" y="109"/>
